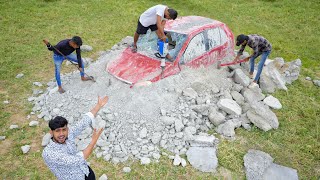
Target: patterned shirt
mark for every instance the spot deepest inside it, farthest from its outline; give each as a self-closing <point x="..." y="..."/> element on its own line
<point x="64" y="160"/>
<point x="258" y="43"/>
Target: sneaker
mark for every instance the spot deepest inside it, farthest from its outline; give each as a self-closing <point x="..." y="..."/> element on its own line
<point x="253" y="85"/>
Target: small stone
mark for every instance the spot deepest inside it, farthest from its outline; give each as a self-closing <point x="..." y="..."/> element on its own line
<point x="145" y="161"/>
<point x="2" y="138"/>
<point x="143" y="133"/>
<point x="14" y="126"/>
<point x="103" y="177"/>
<point x="37" y="84"/>
<point x="86" y="48"/>
<point x="156" y="156"/>
<point x="183" y="162"/>
<point x="156" y="137"/>
<point x="126" y="169"/>
<point x="25" y="149"/>
<point x="46" y="139"/>
<point x="34" y="123"/>
<point x="177" y="160"/>
<point x="19" y="75"/>
<point x="316" y="83"/>
<point x="308" y="79"/>
<point x="189" y="92"/>
<point x="6" y="102"/>
<point x="178" y="125"/>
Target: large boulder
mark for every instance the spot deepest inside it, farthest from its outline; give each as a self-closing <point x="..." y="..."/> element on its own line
<point x="203" y="158"/>
<point x="261" y="116"/>
<point x="253" y="95"/>
<point x="229" y="106"/>
<point x="292" y="72"/>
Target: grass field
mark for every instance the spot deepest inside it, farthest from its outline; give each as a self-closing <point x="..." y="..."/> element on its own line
<point x="292" y="27"/>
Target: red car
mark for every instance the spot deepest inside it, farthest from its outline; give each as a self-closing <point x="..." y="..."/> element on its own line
<point x="193" y="41"/>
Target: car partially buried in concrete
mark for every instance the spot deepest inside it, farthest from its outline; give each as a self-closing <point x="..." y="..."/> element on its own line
<point x="194" y="41"/>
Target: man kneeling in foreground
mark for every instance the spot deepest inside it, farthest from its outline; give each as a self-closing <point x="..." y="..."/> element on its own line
<point x="61" y="154"/>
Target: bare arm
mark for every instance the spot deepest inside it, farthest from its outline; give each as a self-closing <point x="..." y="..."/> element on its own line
<point x="162" y="36"/>
<point x="95" y="136"/>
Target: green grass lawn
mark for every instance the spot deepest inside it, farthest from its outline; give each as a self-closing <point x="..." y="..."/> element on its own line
<point x="292" y="27"/>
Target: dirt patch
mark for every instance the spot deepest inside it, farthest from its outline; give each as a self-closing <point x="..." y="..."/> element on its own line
<point x="5" y="146"/>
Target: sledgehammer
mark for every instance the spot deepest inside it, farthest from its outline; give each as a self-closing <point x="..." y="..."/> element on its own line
<point x="231" y="63"/>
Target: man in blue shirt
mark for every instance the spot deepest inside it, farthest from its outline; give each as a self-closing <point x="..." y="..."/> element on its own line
<point x="66" y="47"/>
<point x="61" y="154"/>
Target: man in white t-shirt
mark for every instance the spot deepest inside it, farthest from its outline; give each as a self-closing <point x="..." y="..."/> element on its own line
<point x="154" y="18"/>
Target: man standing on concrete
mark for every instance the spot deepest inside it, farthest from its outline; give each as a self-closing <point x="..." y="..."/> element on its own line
<point x="61" y="154"/>
<point x="66" y="47"/>
<point x="260" y="46"/>
<point x="155" y="19"/>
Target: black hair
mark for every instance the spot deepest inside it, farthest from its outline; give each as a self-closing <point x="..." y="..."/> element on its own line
<point x="173" y="13"/>
<point x="57" y="122"/>
<point x="241" y="38"/>
<point x="77" y="40"/>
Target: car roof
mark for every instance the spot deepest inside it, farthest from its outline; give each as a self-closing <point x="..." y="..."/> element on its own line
<point x="189" y="24"/>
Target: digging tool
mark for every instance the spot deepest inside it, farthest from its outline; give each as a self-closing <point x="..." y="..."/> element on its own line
<point x="231" y="63"/>
<point x="90" y="77"/>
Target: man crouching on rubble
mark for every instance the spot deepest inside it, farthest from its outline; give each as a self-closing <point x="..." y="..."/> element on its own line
<point x="61" y="154"/>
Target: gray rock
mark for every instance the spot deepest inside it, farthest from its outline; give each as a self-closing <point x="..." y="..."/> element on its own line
<point x="216" y="117"/>
<point x="308" y="78"/>
<point x="226" y="129"/>
<point x="46" y="139"/>
<point x="143" y="133"/>
<point x="167" y="120"/>
<point x="56" y="111"/>
<point x="316" y="83"/>
<point x="19" y="75"/>
<point x="266" y="84"/>
<point x="107" y="157"/>
<point x="103" y="177"/>
<point x="34" y="123"/>
<point x="253" y="95"/>
<point x="204" y="140"/>
<point x="203" y="158"/>
<point x="189" y="92"/>
<point x="183" y="162"/>
<point x="177" y="160"/>
<point x="126" y="169"/>
<point x="145" y="161"/>
<point x="86" y="48"/>
<point x="237" y="97"/>
<point x="156" y="137"/>
<point x="276" y="79"/>
<point x="25" y="149"/>
<point x="229" y="106"/>
<point x="292" y="72"/>
<point x="261" y="116"/>
<point x="272" y="102"/>
<point x="241" y="78"/>
<point x="2" y="138"/>
<point x="190" y="130"/>
<point x="214" y="89"/>
<point x="178" y="125"/>
<point x="156" y="156"/>
<point x="237" y="87"/>
<point x="37" y="84"/>
<point x="13" y="126"/>
<point x="278" y="172"/>
<point x="255" y="164"/>
<point x="6" y="102"/>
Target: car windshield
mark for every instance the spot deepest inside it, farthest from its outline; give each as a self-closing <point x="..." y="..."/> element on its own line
<point x="147" y="44"/>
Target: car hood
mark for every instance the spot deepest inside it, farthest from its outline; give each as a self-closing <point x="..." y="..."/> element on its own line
<point x="134" y="67"/>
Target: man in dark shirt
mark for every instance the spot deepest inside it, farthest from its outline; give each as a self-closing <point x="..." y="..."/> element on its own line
<point x="260" y="46"/>
<point x="66" y="47"/>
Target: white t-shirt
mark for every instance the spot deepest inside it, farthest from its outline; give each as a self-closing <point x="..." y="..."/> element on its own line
<point x="149" y="17"/>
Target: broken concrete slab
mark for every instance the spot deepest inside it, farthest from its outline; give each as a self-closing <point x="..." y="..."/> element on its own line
<point x="204" y="140"/>
<point x="229" y="106"/>
<point x="189" y="92"/>
<point x="272" y="102"/>
<point x="253" y="95"/>
<point x="255" y="164"/>
<point x="203" y="158"/>
<point x="241" y="78"/>
<point x="278" y="172"/>
<point x="262" y="117"/>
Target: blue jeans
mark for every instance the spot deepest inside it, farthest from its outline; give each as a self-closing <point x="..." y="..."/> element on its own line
<point x="58" y="60"/>
<point x="264" y="56"/>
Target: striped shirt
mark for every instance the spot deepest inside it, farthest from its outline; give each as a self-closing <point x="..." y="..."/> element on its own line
<point x="258" y="43"/>
<point x="64" y="160"/>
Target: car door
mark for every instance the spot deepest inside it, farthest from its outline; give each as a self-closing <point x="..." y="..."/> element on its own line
<point x="217" y="42"/>
<point x="195" y="54"/>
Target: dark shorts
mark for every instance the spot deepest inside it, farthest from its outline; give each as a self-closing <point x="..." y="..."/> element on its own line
<point x="91" y="175"/>
<point x="143" y="30"/>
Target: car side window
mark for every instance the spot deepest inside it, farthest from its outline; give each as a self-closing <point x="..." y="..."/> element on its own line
<point x="196" y="47"/>
<point x="214" y="39"/>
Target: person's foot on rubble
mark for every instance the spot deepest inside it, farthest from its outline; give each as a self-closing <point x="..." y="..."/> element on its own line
<point x="61" y="90"/>
<point x="253" y="85"/>
<point x="86" y="78"/>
